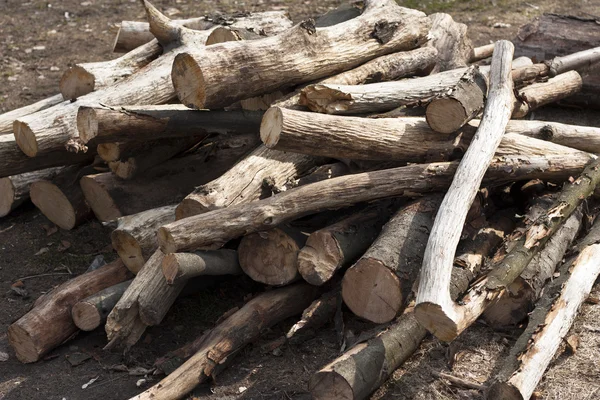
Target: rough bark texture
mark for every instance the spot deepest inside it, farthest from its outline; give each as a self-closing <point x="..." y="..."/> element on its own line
<point x="205" y="79"/>
<point x="131" y="123"/>
<point x="244" y="182"/>
<point x="180" y="267"/>
<point x="451" y="41"/>
<point x="49" y="323"/>
<point x="61" y="200"/>
<point x="377" y="287"/>
<point x="230" y="336"/>
<point x="6" y="119"/>
<point x="319" y="313"/>
<point x="337" y="245"/>
<point x="441" y="247"/>
<point x="134" y="236"/>
<point x="89" y="313"/>
<point x="207" y="231"/>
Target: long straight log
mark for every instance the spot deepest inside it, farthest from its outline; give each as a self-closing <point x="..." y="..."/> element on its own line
<point x="14" y="190"/>
<point x="400" y="139"/>
<point x="363" y="368"/>
<point x="89" y="313"/>
<point x="180" y="267"/>
<point x="446" y="319"/>
<point x="7" y="118"/>
<point x="49" y="323"/>
<point x="61" y="200"/>
<point x="441" y="247"/>
<point x="337" y="245"/>
<point x="549" y="323"/>
<point x="231" y="335"/>
<point x="204" y="231"/>
<point x="131" y="123"/>
<point x="111" y="198"/>
<point x="203" y="79"/>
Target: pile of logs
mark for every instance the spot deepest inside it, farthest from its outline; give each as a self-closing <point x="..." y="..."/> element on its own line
<point x="449" y="206"/>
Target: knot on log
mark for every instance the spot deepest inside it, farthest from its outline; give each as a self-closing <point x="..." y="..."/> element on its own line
<point x="309" y="26"/>
<point x="384" y="31"/>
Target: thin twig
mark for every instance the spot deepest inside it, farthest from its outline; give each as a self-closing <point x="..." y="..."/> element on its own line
<point x="459" y="381"/>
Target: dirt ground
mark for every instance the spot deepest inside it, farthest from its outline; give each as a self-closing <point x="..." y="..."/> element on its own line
<point x="38" y="40"/>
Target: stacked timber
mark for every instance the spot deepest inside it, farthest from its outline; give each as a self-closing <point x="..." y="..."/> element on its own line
<point x="358" y="159"/>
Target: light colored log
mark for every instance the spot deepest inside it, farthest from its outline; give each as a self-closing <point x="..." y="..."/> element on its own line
<point x="89" y="313"/>
<point x="205" y="232"/>
<point x="49" y="323"/>
<point x="481" y="52"/>
<point x="581" y="60"/>
<point x="382" y="28"/>
<point x="451" y="41"/>
<point x="433" y="297"/>
<point x="180" y="267"/>
<point x="7" y="118"/>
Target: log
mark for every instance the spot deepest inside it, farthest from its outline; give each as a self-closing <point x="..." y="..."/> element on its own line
<point x="549" y="323"/>
<point x="378" y="285"/>
<point x="49" y="323"/>
<point x="7" y="118"/>
<point x="14" y="190"/>
<point x="381" y="29"/>
<point x="407" y="139"/>
<point x="451" y="41"/>
<point x="271" y="257"/>
<point x="180" y="267"/>
<point x="109" y="152"/>
<point x="449" y="320"/>
<point x="524" y="291"/>
<point x="231" y="335"/>
<point x="481" y="53"/>
<point x="243" y="183"/>
<point x="81" y="79"/>
<point x="320" y="312"/>
<point x="434" y="297"/>
<point x="134" y="236"/>
<point x="51" y="129"/>
<point x="206" y="231"/>
<point x="89" y="313"/>
<point x="137" y="123"/>
<point x="111" y="198"/>
<point x="335" y="246"/>
<point x="14" y="162"/>
<point x="61" y="200"/>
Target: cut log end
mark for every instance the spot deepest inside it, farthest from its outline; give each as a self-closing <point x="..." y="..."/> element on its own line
<point x="23" y="344"/>
<point x="319" y="258"/>
<point x="128" y="249"/>
<point x="165" y="241"/>
<point x="188" y="81"/>
<point x="372" y="291"/>
<point x="76" y="82"/>
<point x="270" y="127"/>
<point x="53" y="203"/>
<point x="221" y="35"/>
<point x="329" y="385"/>
<point x="323" y="99"/>
<point x="503" y="391"/>
<point x="87" y="123"/>
<point x="86" y="316"/>
<point x="25" y="138"/>
<point x="446" y="115"/>
<point x="187" y="208"/>
<point x="100" y="200"/>
<point x="7" y="195"/>
<point x="435" y="320"/>
<point x="269" y="257"/>
<point x="170" y="268"/>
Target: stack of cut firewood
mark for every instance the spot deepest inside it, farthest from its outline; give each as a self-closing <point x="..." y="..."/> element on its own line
<point x="422" y="203"/>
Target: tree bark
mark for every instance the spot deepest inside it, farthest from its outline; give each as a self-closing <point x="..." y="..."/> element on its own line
<point x="408" y="139"/>
<point x="89" y="313"/>
<point x="206" y="231"/>
<point x="271" y="257"/>
<point x="320" y="312"/>
<point x="134" y="237"/>
<point x="49" y="323"/>
<point x="548" y="325"/>
<point x="180" y="267"/>
<point x="84" y="78"/>
<point x="230" y="336"/>
<point x="137" y="123"/>
<point x="451" y="41"/>
<point x="111" y="198"/>
<point x="449" y="320"/>
<point x="204" y="79"/>
<point x="244" y="182"/>
<point x="481" y="53"/>
<point x="61" y="199"/>
<point x="6" y="119"/>
<point x="540" y="94"/>
<point x="439" y="254"/>
<point x="363" y="368"/>
<point x="335" y="246"/>
<point x="377" y="286"/>
<point x="14" y="190"/>
<point x="524" y="291"/>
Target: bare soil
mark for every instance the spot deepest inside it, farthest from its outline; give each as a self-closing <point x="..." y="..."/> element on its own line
<point x="38" y="40"/>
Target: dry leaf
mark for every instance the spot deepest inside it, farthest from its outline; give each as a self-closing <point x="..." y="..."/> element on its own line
<point x="50" y="229"/>
<point x="572" y="343"/>
<point x="42" y="251"/>
<point x="64" y="245"/>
